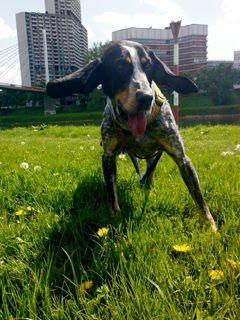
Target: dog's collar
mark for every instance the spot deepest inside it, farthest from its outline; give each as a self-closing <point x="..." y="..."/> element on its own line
<point x="159" y="100"/>
<point x="159" y="97"/>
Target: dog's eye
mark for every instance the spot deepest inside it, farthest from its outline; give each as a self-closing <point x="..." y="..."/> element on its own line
<point x="124" y="63"/>
<point x="144" y="61"/>
<point x="123" y="69"/>
<point x="122" y="74"/>
<point x="128" y="60"/>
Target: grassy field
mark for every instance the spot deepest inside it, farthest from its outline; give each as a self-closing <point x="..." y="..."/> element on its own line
<point x="29" y="116"/>
<point x="56" y="261"/>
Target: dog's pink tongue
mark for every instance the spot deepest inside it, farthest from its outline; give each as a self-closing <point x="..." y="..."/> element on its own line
<point x="137" y="123"/>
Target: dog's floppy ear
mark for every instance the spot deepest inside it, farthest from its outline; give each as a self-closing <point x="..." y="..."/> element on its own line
<point x="81" y="81"/>
<point x="162" y="75"/>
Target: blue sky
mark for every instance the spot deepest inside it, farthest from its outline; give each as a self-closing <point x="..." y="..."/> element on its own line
<point x="101" y="17"/>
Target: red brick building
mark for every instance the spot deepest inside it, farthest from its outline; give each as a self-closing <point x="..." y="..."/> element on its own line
<point x="192" y="44"/>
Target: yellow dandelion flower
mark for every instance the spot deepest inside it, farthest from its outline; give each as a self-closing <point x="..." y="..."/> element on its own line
<point x="20" y="212"/>
<point x="29" y="208"/>
<point x="56" y="174"/>
<point x="232" y="264"/>
<point x="86" y="285"/>
<point x="182" y="247"/>
<point x="103" y="232"/>
<point x="216" y="274"/>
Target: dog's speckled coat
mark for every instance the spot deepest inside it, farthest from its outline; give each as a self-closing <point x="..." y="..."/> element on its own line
<point x="130" y="76"/>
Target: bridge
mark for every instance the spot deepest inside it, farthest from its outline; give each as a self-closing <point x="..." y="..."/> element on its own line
<point x="21" y="88"/>
<point x="10" y="77"/>
<point x="10" y="71"/>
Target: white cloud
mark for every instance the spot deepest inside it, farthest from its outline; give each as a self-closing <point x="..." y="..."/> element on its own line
<point x="223" y="35"/>
<point x="231" y="9"/>
<point x="169" y="7"/>
<point x="109" y="21"/>
<point x="165" y="11"/>
<point x="90" y="33"/>
<point x="121" y="20"/>
<point x="5" y="30"/>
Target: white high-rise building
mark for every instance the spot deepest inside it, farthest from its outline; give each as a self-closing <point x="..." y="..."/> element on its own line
<point x="236" y="61"/>
<point x="66" y="41"/>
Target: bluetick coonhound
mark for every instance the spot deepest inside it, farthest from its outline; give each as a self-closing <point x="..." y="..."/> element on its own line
<point x="137" y="118"/>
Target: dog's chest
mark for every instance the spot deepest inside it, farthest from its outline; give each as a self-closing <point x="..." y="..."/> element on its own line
<point x="143" y="147"/>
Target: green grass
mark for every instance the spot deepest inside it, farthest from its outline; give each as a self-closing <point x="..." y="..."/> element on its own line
<point x="35" y="116"/>
<point x="48" y="252"/>
<point x="206" y="110"/>
<point x="202" y="105"/>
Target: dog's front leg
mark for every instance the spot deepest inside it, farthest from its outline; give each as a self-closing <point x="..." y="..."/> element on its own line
<point x="191" y="180"/>
<point x="110" y="176"/>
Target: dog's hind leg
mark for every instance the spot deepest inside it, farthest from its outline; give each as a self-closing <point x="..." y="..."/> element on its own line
<point x="136" y="165"/>
<point x="151" y="166"/>
<point x="110" y="176"/>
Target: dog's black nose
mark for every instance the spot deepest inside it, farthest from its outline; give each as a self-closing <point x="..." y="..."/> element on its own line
<point x="144" y="99"/>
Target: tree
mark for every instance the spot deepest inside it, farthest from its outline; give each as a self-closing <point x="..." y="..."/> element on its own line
<point x="95" y="100"/>
<point x="97" y="50"/>
<point x="218" y="82"/>
<point x="14" y="99"/>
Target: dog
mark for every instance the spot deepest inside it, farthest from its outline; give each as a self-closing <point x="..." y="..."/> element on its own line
<point x="137" y="118"/>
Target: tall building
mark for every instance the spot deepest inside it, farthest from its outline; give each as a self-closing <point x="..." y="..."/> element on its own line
<point x="192" y="44"/>
<point x="66" y="41"/>
<point x="215" y="63"/>
<point x="236" y="61"/>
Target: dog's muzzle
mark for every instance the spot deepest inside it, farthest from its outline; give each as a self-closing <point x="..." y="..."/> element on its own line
<point x="144" y="100"/>
<point x="138" y="121"/>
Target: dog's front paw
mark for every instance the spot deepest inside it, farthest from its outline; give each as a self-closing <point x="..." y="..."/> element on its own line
<point x="209" y="221"/>
<point x="213" y="226"/>
<point x="115" y="210"/>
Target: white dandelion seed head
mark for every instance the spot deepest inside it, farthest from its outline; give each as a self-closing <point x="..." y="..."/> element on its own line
<point x="37" y="168"/>
<point x="23" y="142"/>
<point x="20" y="240"/>
<point x="24" y="165"/>
<point x="237" y="147"/>
<point x="227" y="153"/>
<point x="81" y="147"/>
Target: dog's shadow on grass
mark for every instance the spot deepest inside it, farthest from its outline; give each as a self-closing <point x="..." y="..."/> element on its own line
<point x="74" y="242"/>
